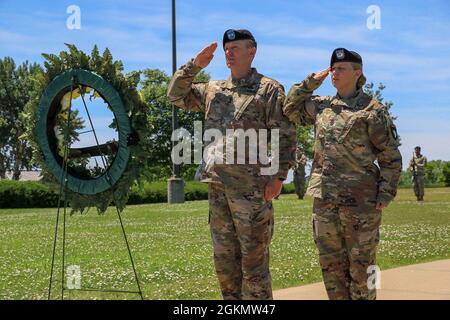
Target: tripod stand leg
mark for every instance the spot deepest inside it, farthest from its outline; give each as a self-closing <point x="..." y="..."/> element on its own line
<point x="63" y="185"/>
<point x="102" y="156"/>
<point x="53" y="255"/>
<point x="129" y="254"/>
<point x="63" y="251"/>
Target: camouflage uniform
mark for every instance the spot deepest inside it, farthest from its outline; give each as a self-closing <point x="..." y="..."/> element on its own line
<point x="350" y="134"/>
<point x="417" y="168"/>
<point x="241" y="220"/>
<point x="299" y="174"/>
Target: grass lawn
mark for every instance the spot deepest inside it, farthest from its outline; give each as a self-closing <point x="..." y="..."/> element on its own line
<point x="173" y="253"/>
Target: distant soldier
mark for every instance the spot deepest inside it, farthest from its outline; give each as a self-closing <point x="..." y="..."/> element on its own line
<point x="299" y="172"/>
<point x="417" y="168"/>
<point x="352" y="130"/>
<point x="240" y="197"/>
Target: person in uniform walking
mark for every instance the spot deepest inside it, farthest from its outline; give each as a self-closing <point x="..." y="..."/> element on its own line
<point x="299" y="173"/>
<point x="417" y="168"/>
<point x="352" y="130"/>
<point x="240" y="197"/>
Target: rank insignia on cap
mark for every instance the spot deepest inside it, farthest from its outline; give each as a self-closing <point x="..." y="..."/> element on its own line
<point x="344" y="55"/>
<point x="231" y="35"/>
<point x="235" y="35"/>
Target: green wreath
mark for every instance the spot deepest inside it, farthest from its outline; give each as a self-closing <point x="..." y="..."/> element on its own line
<point x="76" y="73"/>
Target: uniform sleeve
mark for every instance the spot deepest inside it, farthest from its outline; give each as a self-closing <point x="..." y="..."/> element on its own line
<point x="422" y="164"/>
<point x="411" y="165"/>
<point x="287" y="134"/>
<point x="303" y="160"/>
<point x="300" y="105"/>
<point x="183" y="93"/>
<point x="383" y="135"/>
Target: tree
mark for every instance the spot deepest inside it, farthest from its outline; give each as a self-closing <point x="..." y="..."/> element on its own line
<point x="16" y="84"/>
<point x="154" y="93"/>
<point x="377" y="94"/>
<point x="405" y="179"/>
<point x="305" y="138"/>
<point x="433" y="171"/>
<point x="446" y="173"/>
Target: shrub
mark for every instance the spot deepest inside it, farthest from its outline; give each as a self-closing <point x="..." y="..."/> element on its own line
<point x="32" y="194"/>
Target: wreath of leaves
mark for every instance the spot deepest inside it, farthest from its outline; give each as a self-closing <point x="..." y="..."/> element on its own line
<point x="125" y="85"/>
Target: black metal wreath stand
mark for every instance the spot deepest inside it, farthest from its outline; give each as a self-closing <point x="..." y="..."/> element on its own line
<point x="63" y="198"/>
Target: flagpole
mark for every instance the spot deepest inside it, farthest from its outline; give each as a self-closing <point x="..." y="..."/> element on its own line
<point x="175" y="185"/>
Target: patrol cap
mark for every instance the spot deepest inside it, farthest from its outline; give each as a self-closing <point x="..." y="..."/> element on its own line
<point x="234" y="35"/>
<point x="344" y="55"/>
<point x="417" y="147"/>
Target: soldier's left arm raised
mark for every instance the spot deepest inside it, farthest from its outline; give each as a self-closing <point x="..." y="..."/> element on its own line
<point x="383" y="135"/>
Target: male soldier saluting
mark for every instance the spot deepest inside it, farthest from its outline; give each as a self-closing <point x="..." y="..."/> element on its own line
<point x="352" y="130"/>
<point x="417" y="168"/>
<point x="240" y="206"/>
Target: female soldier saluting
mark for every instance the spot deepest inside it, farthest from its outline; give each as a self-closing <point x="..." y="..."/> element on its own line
<point x="352" y="130"/>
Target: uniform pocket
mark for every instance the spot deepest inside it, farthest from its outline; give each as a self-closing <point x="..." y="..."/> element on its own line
<point x="347" y="128"/>
<point x="263" y="215"/>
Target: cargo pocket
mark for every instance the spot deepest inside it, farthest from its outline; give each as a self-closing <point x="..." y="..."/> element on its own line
<point x="263" y="214"/>
<point x="262" y="225"/>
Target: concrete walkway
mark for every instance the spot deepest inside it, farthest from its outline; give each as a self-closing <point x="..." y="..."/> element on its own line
<point x="426" y="281"/>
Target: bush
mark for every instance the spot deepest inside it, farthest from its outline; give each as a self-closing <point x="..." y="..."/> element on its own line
<point x="31" y="194"/>
<point x="446" y="174"/>
<point x="288" y="188"/>
<point x="26" y="194"/>
<point x="405" y="180"/>
<point x="157" y="192"/>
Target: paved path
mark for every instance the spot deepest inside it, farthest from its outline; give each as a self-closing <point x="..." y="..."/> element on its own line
<point x="415" y="282"/>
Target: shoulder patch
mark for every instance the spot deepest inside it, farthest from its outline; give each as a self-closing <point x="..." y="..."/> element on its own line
<point x="394" y="132"/>
<point x="382" y="112"/>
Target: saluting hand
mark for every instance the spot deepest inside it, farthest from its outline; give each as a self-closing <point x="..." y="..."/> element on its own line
<point x="321" y="75"/>
<point x="205" y="56"/>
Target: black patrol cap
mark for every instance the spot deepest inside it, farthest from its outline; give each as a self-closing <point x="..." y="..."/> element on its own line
<point x="344" y="55"/>
<point x="233" y="35"/>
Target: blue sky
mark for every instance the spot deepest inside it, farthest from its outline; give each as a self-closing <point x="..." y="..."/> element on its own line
<point x="410" y="54"/>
